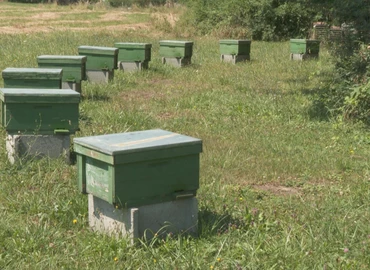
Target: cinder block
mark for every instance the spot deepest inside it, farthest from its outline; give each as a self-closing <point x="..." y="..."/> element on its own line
<point x="144" y="221"/>
<point x="37" y="146"/>
<point x="303" y="56"/>
<point x="232" y="58"/>
<point x="176" y="61"/>
<point x="72" y="85"/>
<point x="132" y="66"/>
<point x="100" y="76"/>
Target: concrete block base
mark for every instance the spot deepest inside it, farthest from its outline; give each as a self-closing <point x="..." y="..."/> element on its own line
<point x="72" y="85"/>
<point x="302" y="56"/>
<point x="232" y="58"/>
<point x="176" y="61"/>
<point x="99" y="76"/>
<point x="144" y="221"/>
<point x="133" y="66"/>
<point x="37" y="146"/>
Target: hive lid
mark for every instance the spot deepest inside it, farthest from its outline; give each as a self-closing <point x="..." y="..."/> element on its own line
<point x="139" y="141"/>
<point x="303" y="40"/>
<point x="235" y="41"/>
<point x="97" y="50"/>
<point x="62" y="59"/>
<point x="175" y="43"/>
<point x="29" y="95"/>
<point x="132" y="45"/>
<point x="32" y="73"/>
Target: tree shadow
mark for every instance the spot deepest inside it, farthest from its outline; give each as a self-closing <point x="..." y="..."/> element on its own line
<point x="318" y="110"/>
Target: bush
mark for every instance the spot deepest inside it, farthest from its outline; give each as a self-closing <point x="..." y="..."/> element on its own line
<point x="348" y="95"/>
<point x="263" y="19"/>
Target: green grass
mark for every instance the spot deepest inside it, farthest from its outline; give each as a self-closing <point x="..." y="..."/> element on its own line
<point x="282" y="185"/>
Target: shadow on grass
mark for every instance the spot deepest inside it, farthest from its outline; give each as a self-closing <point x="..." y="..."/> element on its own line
<point x="212" y="223"/>
<point x="95" y="97"/>
<point x="318" y="110"/>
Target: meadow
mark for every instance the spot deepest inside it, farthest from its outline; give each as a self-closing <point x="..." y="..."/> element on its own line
<point x="282" y="184"/>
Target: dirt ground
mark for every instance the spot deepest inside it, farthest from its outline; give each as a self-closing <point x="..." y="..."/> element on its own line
<point x="37" y="19"/>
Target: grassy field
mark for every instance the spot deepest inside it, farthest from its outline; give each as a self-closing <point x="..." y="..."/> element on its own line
<point x="282" y="186"/>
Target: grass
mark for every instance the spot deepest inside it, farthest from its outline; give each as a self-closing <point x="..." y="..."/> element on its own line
<point x="282" y="186"/>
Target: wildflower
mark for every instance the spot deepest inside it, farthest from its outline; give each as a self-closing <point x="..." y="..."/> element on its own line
<point x="115" y="259"/>
<point x="154" y="260"/>
<point x="240" y="198"/>
<point x="74" y="221"/>
<point x="345" y="250"/>
<point x="218" y="259"/>
<point x="211" y="267"/>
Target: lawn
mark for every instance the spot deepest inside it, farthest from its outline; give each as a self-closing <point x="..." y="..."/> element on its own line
<point x="282" y="185"/>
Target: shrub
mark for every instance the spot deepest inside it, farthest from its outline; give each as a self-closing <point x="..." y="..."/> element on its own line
<point x="263" y="19"/>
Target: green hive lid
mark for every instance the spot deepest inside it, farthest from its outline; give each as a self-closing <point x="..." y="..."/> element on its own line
<point x="139" y="141"/>
<point x="28" y="95"/>
<point x="303" y="40"/>
<point x="132" y="45"/>
<point x="176" y="43"/>
<point x="235" y="41"/>
<point x="62" y="59"/>
<point x="98" y="50"/>
<point x="32" y="73"/>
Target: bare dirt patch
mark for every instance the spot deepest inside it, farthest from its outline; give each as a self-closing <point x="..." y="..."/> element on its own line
<point x="46" y="16"/>
<point x="278" y="190"/>
<point x="49" y="21"/>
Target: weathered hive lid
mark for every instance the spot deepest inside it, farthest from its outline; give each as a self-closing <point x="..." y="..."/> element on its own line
<point x="97" y="50"/>
<point x="176" y="43"/>
<point x="32" y="73"/>
<point x="235" y="41"/>
<point x="28" y="95"/>
<point x="304" y="40"/>
<point x="132" y="45"/>
<point x="62" y="59"/>
<point x="150" y="143"/>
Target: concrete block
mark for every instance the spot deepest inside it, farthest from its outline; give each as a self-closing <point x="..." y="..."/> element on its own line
<point x="133" y="66"/>
<point x="144" y="221"/>
<point x="99" y="76"/>
<point x="176" y="61"/>
<point x="302" y="56"/>
<point x="72" y="85"/>
<point x="232" y="58"/>
<point x="37" y="146"/>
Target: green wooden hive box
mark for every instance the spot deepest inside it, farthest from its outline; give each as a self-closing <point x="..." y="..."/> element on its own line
<point x="235" y="47"/>
<point x="138" y="168"/>
<point x="99" y="58"/>
<point x="74" y="66"/>
<point x="175" y="49"/>
<point x="304" y="46"/>
<point x="39" y="111"/>
<point x="32" y="78"/>
<point x="133" y="52"/>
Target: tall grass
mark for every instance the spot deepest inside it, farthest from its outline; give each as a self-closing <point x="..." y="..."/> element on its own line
<point x="282" y="185"/>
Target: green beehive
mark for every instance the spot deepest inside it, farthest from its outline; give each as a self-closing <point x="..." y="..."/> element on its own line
<point x="235" y="47"/>
<point x="133" y="52"/>
<point x="138" y="168"/>
<point x="74" y="66"/>
<point x="304" y="46"/>
<point x="99" y="58"/>
<point x="32" y="78"/>
<point x="176" y="49"/>
<point x="39" y="111"/>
